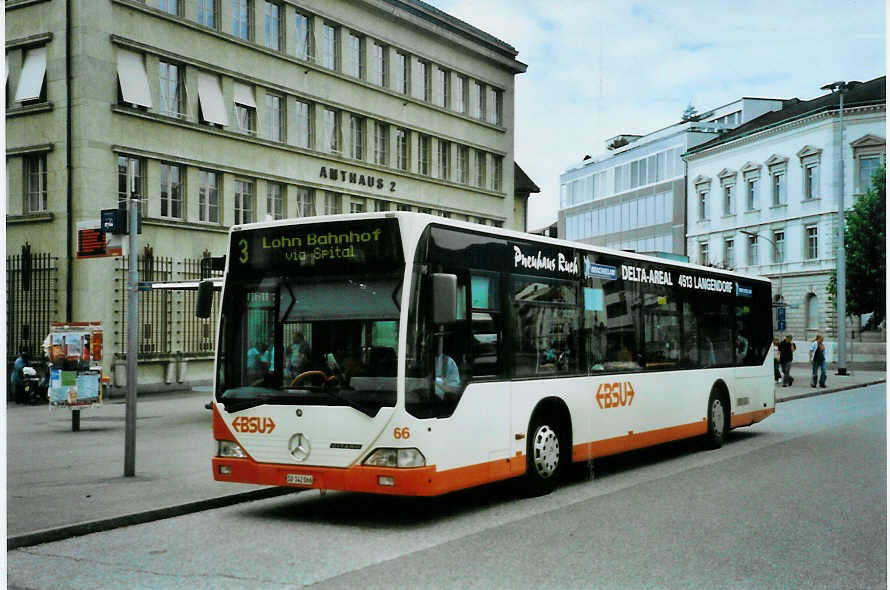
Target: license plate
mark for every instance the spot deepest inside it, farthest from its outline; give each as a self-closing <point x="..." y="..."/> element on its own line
<point x="300" y="479"/>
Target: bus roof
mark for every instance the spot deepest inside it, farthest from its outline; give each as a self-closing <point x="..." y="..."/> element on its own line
<point x="423" y="219"/>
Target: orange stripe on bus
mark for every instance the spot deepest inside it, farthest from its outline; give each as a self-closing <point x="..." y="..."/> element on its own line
<point x="749" y="418"/>
<point x="635" y="440"/>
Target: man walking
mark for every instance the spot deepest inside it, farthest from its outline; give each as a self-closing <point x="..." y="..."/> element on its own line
<point x="786" y="355"/>
<point x="817" y="359"/>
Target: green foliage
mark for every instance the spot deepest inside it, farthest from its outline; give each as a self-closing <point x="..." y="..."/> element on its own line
<point x="865" y="245"/>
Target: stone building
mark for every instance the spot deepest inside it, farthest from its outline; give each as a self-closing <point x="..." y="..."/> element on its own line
<point x="220" y="112"/>
<point x="763" y="199"/>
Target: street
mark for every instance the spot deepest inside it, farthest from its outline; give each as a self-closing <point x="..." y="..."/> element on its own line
<point x="797" y="501"/>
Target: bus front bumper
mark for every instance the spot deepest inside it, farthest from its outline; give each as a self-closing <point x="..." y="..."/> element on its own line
<point x="417" y="481"/>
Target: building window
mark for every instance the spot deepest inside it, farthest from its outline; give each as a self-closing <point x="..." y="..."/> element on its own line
<point x="331" y="131"/>
<point x="171" y="89"/>
<point x="357" y="137"/>
<point x="811" y="181"/>
<point x="752" y="250"/>
<point x="130" y="179"/>
<point x="243" y="201"/>
<point x="444" y="158"/>
<point x="31" y="86"/>
<point x="752" y="184"/>
<point x="381" y="206"/>
<point x="703" y="209"/>
<point x="305" y="202"/>
<point x="867" y="167"/>
<point x="491" y="102"/>
<point x="440" y="97"/>
<point x="208" y="196"/>
<point x="480" y="169"/>
<point x="403" y="207"/>
<point x="245" y="119"/>
<point x="812" y="233"/>
<point x="331" y="203"/>
<point x="728" y="253"/>
<point x="703" y="256"/>
<point x="170" y="7"/>
<point x="241" y="19"/>
<point x="779" y="250"/>
<point x="378" y="68"/>
<point x="401" y="73"/>
<point x="423" y="155"/>
<point x="421" y="83"/>
<point x="274" y="200"/>
<point x="778" y="188"/>
<point x="477" y="101"/>
<point x="460" y="94"/>
<point x="497" y="174"/>
<point x="329" y="49"/>
<point x="304" y="124"/>
<point x="462" y="166"/>
<point x="812" y="312"/>
<point x="273" y="25"/>
<point x="35" y="183"/>
<point x="171" y="190"/>
<point x="274" y="119"/>
<point x="356" y="207"/>
<point x="728" y="199"/>
<point x="498" y="116"/>
<point x="207" y="11"/>
<point x="401" y="148"/>
<point x="356" y="65"/>
<point x="381" y="143"/>
<point x="303" y="40"/>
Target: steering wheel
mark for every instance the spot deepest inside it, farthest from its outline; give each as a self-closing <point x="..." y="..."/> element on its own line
<point x="308" y="374"/>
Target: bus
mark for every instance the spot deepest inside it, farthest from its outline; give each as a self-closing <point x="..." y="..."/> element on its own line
<point x="402" y="353"/>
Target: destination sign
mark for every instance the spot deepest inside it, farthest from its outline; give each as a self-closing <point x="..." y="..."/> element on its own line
<point x="335" y="247"/>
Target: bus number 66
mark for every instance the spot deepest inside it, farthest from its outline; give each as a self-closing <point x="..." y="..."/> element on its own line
<point x="613" y="395"/>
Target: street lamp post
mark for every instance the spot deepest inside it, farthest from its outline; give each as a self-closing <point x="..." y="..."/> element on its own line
<point x="840" y="87"/>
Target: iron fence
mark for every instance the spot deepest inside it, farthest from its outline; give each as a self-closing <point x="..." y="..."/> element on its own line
<point x="155" y="306"/>
<point x="31" y="300"/>
<point x="198" y="334"/>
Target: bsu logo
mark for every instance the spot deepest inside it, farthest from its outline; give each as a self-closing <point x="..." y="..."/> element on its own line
<point x="253" y="424"/>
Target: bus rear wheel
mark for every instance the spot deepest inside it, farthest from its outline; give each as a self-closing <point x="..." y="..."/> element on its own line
<point x="717" y="421"/>
<point x="543" y="456"/>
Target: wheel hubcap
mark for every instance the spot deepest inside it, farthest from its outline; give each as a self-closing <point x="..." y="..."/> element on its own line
<point x="717" y="416"/>
<point x="546" y="451"/>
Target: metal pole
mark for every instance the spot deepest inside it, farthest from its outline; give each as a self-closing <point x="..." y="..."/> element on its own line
<point x="841" y="257"/>
<point x="132" y="338"/>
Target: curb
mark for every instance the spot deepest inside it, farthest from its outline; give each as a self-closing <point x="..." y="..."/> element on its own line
<point x="827" y="391"/>
<point x="106" y="524"/>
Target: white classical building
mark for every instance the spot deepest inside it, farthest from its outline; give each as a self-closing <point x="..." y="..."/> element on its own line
<point x="763" y="198"/>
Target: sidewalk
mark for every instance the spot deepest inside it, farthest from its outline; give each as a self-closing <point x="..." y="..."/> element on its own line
<point x="802" y="373"/>
<point x="62" y="484"/>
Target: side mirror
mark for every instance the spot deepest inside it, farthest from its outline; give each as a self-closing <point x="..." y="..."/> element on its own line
<point x="444" y="294"/>
<point x="204" y="301"/>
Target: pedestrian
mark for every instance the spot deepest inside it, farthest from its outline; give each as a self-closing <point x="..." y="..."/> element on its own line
<point x="17" y="379"/>
<point x="777" y="375"/>
<point x="817" y="359"/>
<point x="786" y="355"/>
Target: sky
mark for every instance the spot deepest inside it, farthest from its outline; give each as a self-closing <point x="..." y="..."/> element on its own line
<point x="601" y="68"/>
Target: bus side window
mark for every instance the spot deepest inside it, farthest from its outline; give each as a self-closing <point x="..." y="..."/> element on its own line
<point x="486" y="325"/>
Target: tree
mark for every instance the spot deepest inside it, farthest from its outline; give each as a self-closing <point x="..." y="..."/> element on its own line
<point x="864" y="242"/>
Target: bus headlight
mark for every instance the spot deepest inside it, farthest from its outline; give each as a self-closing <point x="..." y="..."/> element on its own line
<point x="396" y="458"/>
<point x="228" y="448"/>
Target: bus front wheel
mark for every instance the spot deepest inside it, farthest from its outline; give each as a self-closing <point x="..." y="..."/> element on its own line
<point x="543" y="458"/>
<point x="717" y="422"/>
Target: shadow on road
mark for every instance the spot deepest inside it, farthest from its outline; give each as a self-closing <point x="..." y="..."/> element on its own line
<point x="371" y="511"/>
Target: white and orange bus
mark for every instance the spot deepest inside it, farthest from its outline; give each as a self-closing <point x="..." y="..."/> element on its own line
<point x="401" y="353"/>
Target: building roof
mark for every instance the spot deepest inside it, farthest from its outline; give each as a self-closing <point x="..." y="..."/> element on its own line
<point x="521" y="182"/>
<point x="859" y="94"/>
<point x="454" y="24"/>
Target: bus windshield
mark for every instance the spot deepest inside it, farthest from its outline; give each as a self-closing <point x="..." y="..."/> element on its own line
<point x="320" y="331"/>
